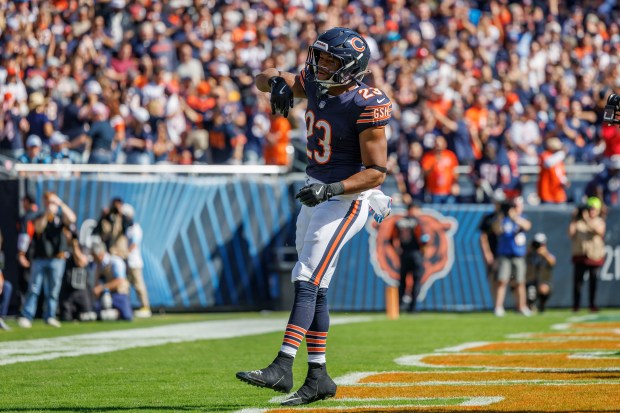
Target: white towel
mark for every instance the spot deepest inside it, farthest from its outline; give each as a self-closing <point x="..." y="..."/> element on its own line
<point x="380" y="205"/>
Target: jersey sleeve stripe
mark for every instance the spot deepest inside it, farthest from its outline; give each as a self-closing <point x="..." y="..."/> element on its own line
<point x="378" y="106"/>
<point x="374" y="120"/>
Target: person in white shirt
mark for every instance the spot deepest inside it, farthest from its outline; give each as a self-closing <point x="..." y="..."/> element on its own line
<point x="135" y="264"/>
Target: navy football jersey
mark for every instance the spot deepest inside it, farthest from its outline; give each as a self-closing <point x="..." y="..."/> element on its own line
<point x="333" y="126"/>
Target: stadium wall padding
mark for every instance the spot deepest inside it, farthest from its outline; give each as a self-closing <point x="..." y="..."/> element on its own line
<point x="211" y="243"/>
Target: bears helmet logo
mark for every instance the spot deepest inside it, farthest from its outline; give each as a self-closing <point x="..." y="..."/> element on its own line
<point x="438" y="257"/>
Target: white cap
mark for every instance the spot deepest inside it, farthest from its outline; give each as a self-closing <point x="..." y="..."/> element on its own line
<point x="58" y="138"/>
<point x="93" y="88"/>
<point x="540" y="238"/>
<point x="33" y="140"/>
<point x="100" y="109"/>
<point x="614" y="162"/>
<point x="499" y="196"/>
<point x="160" y="28"/>
<point x="140" y="114"/>
<point x="127" y="210"/>
<point x="117" y="4"/>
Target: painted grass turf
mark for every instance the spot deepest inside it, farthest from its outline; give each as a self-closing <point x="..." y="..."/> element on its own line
<point x="200" y="376"/>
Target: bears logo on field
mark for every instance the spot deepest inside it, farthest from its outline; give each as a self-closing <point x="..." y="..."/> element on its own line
<point x="439" y="255"/>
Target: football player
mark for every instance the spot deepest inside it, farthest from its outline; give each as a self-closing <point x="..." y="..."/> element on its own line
<point x="347" y="156"/>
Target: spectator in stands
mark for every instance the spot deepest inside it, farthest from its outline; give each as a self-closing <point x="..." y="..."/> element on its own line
<point x="540" y="263"/>
<point x="39" y="122"/>
<point x="48" y="264"/>
<point x="34" y="152"/>
<point x="487" y="173"/>
<point x="6" y="290"/>
<point x="606" y="184"/>
<point x="110" y="277"/>
<point x="59" y="152"/>
<point x="587" y="233"/>
<point x="410" y="178"/>
<point x="510" y="228"/>
<point x="277" y="141"/>
<point x="135" y="264"/>
<point x="462" y="134"/>
<point x="189" y="66"/>
<point x="552" y="180"/>
<point x="139" y="139"/>
<point x="75" y="293"/>
<point x="74" y="128"/>
<point x="102" y="135"/>
<point x="439" y="167"/>
<point x="112" y="229"/>
<point x="524" y="135"/>
<point x="12" y="128"/>
<point x="225" y="141"/>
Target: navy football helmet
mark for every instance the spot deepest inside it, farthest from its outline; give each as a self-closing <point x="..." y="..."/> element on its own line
<point x="346" y="45"/>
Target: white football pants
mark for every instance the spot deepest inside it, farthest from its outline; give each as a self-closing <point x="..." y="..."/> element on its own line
<point x="322" y="231"/>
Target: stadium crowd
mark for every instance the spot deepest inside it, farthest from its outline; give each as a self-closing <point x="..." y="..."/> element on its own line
<point x="149" y="81"/>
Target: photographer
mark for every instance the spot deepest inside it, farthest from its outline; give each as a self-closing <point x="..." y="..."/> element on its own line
<point x="510" y="228"/>
<point x="587" y="233"/>
<point x="48" y="265"/>
<point x="75" y="295"/>
<point x="112" y="229"/>
<point x="540" y="263"/>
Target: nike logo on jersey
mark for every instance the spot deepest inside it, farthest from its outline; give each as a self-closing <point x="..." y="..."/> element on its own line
<point x="380" y="100"/>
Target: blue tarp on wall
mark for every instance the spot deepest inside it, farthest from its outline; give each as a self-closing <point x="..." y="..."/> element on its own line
<point x="207" y="241"/>
<point x="210" y="243"/>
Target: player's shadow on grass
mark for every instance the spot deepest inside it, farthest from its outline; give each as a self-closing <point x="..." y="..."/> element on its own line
<point x="224" y="408"/>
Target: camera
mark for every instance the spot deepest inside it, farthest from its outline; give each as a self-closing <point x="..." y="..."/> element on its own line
<point x="506" y="206"/>
<point x="581" y="208"/>
<point x="611" y="108"/>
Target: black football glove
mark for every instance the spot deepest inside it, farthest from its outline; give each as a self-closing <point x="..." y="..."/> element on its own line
<point x="312" y="195"/>
<point x="281" y="96"/>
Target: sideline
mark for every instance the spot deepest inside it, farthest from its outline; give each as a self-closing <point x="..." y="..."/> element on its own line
<point x="106" y="342"/>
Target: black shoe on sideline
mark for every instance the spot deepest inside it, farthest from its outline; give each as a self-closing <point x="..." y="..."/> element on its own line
<point x="318" y="386"/>
<point x="277" y="376"/>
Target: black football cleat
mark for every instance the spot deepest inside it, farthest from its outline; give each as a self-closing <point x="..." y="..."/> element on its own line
<point x="277" y="376"/>
<point x="318" y="386"/>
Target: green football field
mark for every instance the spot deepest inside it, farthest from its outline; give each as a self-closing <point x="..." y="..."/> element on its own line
<point x="187" y="363"/>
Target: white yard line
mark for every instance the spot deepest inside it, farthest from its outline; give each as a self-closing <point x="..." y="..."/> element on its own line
<point x="105" y="342"/>
<point x="384" y="402"/>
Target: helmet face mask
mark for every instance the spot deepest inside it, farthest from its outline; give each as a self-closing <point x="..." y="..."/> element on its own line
<point x="344" y="45"/>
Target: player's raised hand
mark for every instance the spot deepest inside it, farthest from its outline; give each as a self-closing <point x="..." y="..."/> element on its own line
<point x="312" y="195"/>
<point x="281" y="96"/>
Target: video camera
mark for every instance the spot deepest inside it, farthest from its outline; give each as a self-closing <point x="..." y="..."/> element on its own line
<point x="611" y="109"/>
<point x="580" y="209"/>
<point x="506" y="206"/>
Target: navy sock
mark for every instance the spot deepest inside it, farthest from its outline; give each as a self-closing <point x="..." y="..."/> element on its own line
<point x="301" y="316"/>
<point x="316" y="337"/>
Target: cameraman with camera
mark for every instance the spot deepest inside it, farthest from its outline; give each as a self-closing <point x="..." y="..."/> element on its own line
<point x="587" y="233"/>
<point x="510" y="228"/>
<point x="540" y="263"/>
